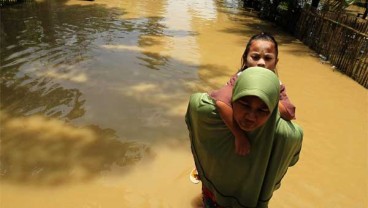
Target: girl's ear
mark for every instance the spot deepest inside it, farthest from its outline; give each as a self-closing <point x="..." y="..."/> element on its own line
<point x="244" y="66"/>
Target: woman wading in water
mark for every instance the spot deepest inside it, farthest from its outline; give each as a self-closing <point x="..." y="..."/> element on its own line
<point x="229" y="179"/>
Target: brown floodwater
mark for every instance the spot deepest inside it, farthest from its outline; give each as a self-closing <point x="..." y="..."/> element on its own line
<point x="93" y="96"/>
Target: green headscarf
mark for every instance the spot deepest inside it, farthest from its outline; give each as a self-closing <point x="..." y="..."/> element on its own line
<point x="243" y="181"/>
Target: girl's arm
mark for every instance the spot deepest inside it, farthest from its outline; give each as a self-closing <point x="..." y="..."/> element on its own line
<point x="223" y="97"/>
<point x="284" y="113"/>
<point x="286" y="108"/>
<point x="242" y="145"/>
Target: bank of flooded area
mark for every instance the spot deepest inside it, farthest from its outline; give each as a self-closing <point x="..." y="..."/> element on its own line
<point x="93" y="97"/>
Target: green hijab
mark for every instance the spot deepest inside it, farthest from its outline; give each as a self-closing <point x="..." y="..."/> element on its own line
<point x="243" y="181"/>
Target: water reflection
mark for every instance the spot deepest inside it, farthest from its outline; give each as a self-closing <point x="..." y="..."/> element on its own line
<point x="67" y="70"/>
<point x="47" y="33"/>
<point x="41" y="45"/>
<point x="23" y="97"/>
<point x="153" y="60"/>
<point x="42" y="151"/>
<point x="47" y="50"/>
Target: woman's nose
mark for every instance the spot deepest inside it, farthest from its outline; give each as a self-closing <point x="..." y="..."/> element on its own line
<point x="251" y="116"/>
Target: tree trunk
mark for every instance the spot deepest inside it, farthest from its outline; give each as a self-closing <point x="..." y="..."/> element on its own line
<point x="315" y="3"/>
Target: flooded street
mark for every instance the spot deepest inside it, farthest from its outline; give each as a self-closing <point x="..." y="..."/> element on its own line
<point x="93" y="97"/>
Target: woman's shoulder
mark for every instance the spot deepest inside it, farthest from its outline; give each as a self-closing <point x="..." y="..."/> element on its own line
<point x="201" y="102"/>
<point x="202" y="108"/>
<point x="200" y="98"/>
<point x="289" y="130"/>
<point x="195" y="97"/>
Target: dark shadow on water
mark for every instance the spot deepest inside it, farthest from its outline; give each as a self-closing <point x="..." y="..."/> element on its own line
<point x="153" y="60"/>
<point x="25" y="96"/>
<point x="40" y="151"/>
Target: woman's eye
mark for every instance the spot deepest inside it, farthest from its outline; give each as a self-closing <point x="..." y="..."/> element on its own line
<point x="246" y="106"/>
<point x="263" y="112"/>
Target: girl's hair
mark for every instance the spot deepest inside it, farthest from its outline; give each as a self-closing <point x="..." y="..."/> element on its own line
<point x="261" y="36"/>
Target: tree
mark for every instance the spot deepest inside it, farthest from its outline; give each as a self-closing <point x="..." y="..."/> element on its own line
<point x="315" y="3"/>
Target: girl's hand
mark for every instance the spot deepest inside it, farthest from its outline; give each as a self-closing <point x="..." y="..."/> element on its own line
<point x="242" y="145"/>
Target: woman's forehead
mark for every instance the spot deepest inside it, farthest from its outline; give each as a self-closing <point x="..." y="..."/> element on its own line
<point x="253" y="100"/>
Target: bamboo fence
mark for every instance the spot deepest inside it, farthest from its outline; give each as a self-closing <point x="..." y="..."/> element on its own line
<point x="340" y="38"/>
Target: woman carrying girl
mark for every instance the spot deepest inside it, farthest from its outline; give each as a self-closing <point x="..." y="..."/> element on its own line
<point x="262" y="51"/>
<point x="231" y="180"/>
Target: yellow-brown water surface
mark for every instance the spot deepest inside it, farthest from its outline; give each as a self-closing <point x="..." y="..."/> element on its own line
<point x="93" y="96"/>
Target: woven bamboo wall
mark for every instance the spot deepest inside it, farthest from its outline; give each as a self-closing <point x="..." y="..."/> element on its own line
<point x="341" y="38"/>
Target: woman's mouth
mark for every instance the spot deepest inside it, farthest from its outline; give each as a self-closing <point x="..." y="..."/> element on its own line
<point x="247" y="125"/>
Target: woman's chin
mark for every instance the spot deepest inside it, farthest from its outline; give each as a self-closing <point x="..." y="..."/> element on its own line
<point x="248" y="128"/>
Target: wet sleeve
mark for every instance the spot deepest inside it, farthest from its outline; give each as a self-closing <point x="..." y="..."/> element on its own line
<point x="290" y="108"/>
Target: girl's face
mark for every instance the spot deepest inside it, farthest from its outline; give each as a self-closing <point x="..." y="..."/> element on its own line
<point x="262" y="53"/>
<point x="250" y="112"/>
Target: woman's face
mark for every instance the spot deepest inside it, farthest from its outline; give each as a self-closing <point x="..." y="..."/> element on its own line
<point x="262" y="53"/>
<point x="250" y="112"/>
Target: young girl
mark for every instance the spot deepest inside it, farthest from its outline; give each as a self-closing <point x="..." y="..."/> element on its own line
<point x="262" y="51"/>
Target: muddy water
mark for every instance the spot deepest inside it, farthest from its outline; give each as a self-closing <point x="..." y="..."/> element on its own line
<point x="93" y="96"/>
